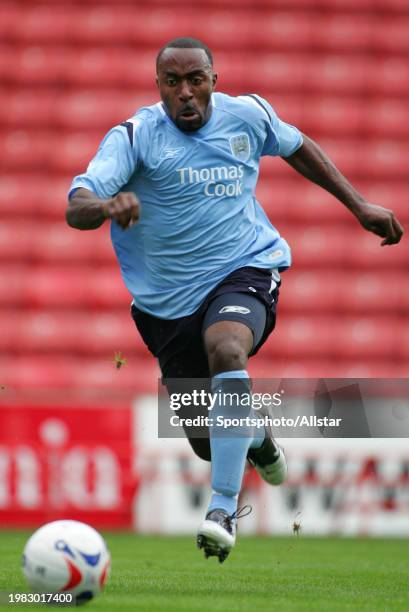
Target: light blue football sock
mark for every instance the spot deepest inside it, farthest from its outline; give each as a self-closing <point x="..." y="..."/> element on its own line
<point x="229" y="445"/>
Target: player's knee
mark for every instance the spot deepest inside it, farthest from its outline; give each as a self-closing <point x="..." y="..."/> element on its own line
<point x="225" y="355"/>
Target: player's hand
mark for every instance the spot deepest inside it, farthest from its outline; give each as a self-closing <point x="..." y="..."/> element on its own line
<point x="124" y="208"/>
<point x="381" y="221"/>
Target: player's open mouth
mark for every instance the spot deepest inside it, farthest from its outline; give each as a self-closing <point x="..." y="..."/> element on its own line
<point x="189" y="115"/>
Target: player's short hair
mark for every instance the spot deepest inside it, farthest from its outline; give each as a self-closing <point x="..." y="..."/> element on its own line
<point x="185" y="43"/>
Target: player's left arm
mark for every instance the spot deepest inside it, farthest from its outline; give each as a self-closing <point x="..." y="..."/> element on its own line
<point x="313" y="163"/>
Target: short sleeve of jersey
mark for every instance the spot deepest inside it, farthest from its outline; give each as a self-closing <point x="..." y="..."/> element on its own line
<point x="281" y="138"/>
<point x="113" y="164"/>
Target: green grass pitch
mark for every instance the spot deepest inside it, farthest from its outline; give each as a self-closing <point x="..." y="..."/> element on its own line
<point x="297" y="573"/>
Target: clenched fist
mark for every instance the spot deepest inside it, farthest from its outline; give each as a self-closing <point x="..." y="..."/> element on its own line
<point x="124" y="208"/>
<point x="381" y="221"/>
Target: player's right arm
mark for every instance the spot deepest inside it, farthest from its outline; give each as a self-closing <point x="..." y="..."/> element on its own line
<point x="96" y="195"/>
<point x="87" y="211"/>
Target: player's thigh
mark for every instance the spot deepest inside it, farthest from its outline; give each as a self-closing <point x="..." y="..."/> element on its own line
<point x="234" y="318"/>
<point x="176" y="344"/>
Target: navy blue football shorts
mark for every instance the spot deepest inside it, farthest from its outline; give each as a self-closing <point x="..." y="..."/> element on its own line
<point x="248" y="295"/>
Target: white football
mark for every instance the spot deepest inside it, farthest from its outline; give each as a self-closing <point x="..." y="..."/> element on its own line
<point x="66" y="557"/>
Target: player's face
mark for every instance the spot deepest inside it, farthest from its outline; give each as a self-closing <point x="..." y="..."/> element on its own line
<point x="186" y="81"/>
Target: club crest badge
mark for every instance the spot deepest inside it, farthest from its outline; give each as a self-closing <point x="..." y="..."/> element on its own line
<point x="240" y="146"/>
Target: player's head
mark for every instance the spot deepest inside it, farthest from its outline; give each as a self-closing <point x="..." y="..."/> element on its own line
<point x="185" y="77"/>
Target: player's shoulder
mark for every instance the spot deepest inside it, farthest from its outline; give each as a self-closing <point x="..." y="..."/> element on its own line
<point x="154" y="113"/>
<point x="250" y="107"/>
<point x="144" y="120"/>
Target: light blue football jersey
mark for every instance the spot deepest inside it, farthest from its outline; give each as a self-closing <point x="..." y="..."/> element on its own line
<point x="200" y="219"/>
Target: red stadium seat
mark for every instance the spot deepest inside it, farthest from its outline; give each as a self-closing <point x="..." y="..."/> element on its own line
<point x="374" y="292"/>
<point x="70" y="332"/>
<point x="346" y="154"/>
<point x="345" y="292"/>
<point x="350" y="5"/>
<point x="108" y="24"/>
<point x="275" y="71"/>
<point x="9" y="15"/>
<point x="336" y="74"/>
<point x="40" y="24"/>
<point x="262" y="368"/>
<point x="75" y="288"/>
<point x="366" y="252"/>
<point x="402" y="345"/>
<point x="333" y="6"/>
<point x="91" y="110"/>
<point x="275" y="30"/>
<point x="7" y="57"/>
<point x="53" y="242"/>
<point x="85" y="375"/>
<point x="334" y="116"/>
<point x="22" y="109"/>
<point x="275" y="169"/>
<point x="312" y="246"/>
<point x="12" y="285"/>
<point x="369" y="159"/>
<point x="388" y="117"/>
<point x="313" y="291"/>
<point x="147" y="26"/>
<point x="139" y="375"/>
<point x="281" y="30"/>
<point x="74" y="152"/>
<point x="289" y="108"/>
<point x="15" y="241"/>
<point x="35" y="65"/>
<point x="392" y="36"/>
<point x="342" y="246"/>
<point x="366" y="337"/>
<point x="25" y="373"/>
<point x="385" y="158"/>
<point x="351" y="156"/>
<point x="389" y="76"/>
<point x="25" y="150"/>
<point x="72" y="288"/>
<point x="57" y="242"/>
<point x="47" y="196"/>
<point x="302" y="337"/>
<point x="301" y="202"/>
<point x="344" y="32"/>
<point x="392" y="195"/>
<point x="100" y="66"/>
<point x="393" y="6"/>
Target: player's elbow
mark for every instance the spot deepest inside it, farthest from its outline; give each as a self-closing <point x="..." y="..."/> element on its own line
<point x="70" y="216"/>
<point x="73" y="216"/>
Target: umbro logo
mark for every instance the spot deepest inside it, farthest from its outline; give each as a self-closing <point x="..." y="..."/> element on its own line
<point x="237" y="309"/>
<point x="171" y="153"/>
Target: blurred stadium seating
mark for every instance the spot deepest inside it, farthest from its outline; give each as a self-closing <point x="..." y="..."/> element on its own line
<point x="338" y="69"/>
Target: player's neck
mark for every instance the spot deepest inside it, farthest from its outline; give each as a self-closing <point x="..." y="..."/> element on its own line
<point x="208" y="115"/>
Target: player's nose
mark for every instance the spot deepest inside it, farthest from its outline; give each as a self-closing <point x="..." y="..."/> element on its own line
<point x="185" y="93"/>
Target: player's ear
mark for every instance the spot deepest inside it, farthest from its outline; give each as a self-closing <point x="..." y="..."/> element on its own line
<point x="157" y="82"/>
<point x="214" y="79"/>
